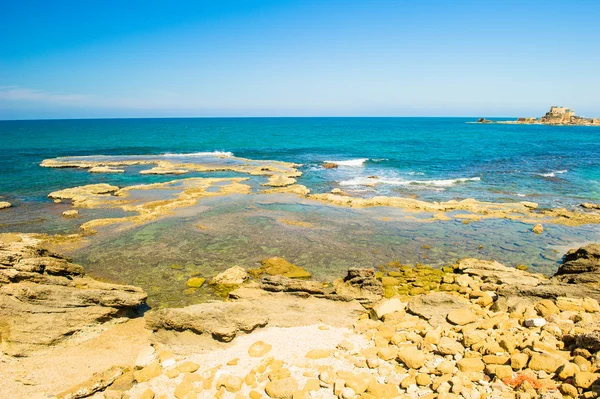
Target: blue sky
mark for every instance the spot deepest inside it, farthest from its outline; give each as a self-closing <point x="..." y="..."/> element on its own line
<point x="81" y="59"/>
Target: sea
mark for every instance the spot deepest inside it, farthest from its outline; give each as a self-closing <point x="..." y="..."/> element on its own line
<point x="432" y="159"/>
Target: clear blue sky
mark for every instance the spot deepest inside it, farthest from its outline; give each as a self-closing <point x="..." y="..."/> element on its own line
<point x="71" y="59"/>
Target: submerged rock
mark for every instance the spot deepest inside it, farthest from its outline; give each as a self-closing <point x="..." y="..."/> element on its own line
<point x="71" y="213"/>
<point x="280" y="267"/>
<point x="45" y="299"/>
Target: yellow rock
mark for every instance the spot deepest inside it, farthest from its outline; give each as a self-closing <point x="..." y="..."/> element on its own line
<point x="283" y="388"/>
<point x="312" y="384"/>
<point x="318" y="354"/>
<point x="147" y="394"/>
<point x="259" y="348"/>
<point x="254" y="395"/>
<point x="148" y="372"/>
<point x="585" y="379"/>
<point x="461" y="316"/>
<point x="195" y="282"/>
<point x="470" y="365"/>
<point x="187" y="367"/>
<point x="280" y="266"/>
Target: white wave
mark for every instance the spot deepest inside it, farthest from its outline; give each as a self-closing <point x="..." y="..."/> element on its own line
<point x="553" y="173"/>
<point x="350" y="162"/>
<point x="198" y="154"/>
<point x="367" y="181"/>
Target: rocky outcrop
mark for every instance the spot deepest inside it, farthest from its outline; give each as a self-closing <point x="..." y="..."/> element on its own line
<point x="496" y="273"/>
<point x="361" y="285"/>
<point x="252" y="308"/>
<point x="560" y="116"/>
<point x="581" y="265"/>
<point x="45" y="299"/>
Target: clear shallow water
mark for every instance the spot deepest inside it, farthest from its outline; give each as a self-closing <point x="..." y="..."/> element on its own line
<point x="245" y="229"/>
<point x="434" y="159"/>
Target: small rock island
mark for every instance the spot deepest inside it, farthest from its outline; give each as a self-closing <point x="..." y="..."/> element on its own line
<point x="556" y="116"/>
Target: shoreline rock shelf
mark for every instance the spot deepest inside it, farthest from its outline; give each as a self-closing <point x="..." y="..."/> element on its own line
<point x="475" y="330"/>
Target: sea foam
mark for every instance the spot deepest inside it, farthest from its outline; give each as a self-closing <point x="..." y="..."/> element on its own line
<point x="350" y="162"/>
<point x="553" y="173"/>
<point x="362" y="181"/>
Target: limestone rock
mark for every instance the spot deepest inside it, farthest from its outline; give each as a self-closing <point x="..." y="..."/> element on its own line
<point x="234" y="276"/>
<point x="286" y="284"/>
<point x="470" y="365"/>
<point x="494" y="272"/>
<point x="449" y="346"/>
<point x="359" y="284"/>
<point x="5" y="205"/>
<point x="435" y="306"/>
<point x="535" y="322"/>
<point x="388" y="306"/>
<point x="281" y="267"/>
<point x="221" y="320"/>
<point x="545" y="362"/>
<point x="259" y="349"/>
<point x="45" y="299"/>
<point x="282" y="389"/>
<point x="71" y="213"/>
<point x="461" y="317"/>
<point x="412" y="357"/>
<point x="195" y="282"/>
<point x="96" y="383"/>
<point x="538" y="229"/>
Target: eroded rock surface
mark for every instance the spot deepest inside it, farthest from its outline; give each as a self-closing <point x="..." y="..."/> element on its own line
<point x="44" y="299"/>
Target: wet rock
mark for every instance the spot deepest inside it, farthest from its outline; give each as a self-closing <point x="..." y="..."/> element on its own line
<point x="281" y="267"/>
<point x="589" y="205"/>
<point x="232" y="277"/>
<point x="195" y="282"/>
<point x="538" y="229"/>
<point x="5" y="205"/>
<point x="71" y="213"/>
<point x="45" y="299"/>
<point x="279" y="181"/>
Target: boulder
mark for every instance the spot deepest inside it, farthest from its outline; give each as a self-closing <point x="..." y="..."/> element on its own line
<point x="388" y="306"/>
<point x="45" y="299"/>
<point x="449" y="346"/>
<point x="496" y="273"/>
<point x="286" y="284"/>
<point x="462" y="316"/>
<point x="412" y="357"/>
<point x="581" y="266"/>
<point x="5" y="205"/>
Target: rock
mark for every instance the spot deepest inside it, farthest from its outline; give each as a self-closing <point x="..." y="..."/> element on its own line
<point x="585" y="379"/>
<point x="589" y="205"/>
<point x="259" y="349"/>
<point x="568" y="370"/>
<point x="569" y="390"/>
<point x="359" y="284"/>
<point x="388" y="306"/>
<point x="105" y="169"/>
<point x="195" y="282"/>
<point x="546" y="362"/>
<point x="221" y="320"/>
<point x="148" y="372"/>
<point x="538" y="229"/>
<point x="188" y="367"/>
<point x="147" y="394"/>
<point x="230" y="382"/>
<point x="503" y="371"/>
<point x="467" y="365"/>
<point x="494" y="272"/>
<point x="318" y="354"/>
<point x="45" y="299"/>
<point x="581" y="266"/>
<point x="281" y="389"/>
<point x="449" y="346"/>
<point x="586" y="340"/>
<point x="232" y="277"/>
<point x="412" y="357"/>
<point x="281" y="267"/>
<point x="535" y="322"/>
<point x="96" y="383"/>
<point x="71" y="213"/>
<point x="5" y="205"/>
<point x="145" y="357"/>
<point x="279" y="181"/>
<point x="330" y="165"/>
<point x="286" y="284"/>
<point x="435" y="306"/>
<point x="461" y="317"/>
<point x="546" y="308"/>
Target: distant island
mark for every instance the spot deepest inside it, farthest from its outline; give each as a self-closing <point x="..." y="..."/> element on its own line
<point x="556" y="116"/>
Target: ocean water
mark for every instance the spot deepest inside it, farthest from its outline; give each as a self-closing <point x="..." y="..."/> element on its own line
<point x="434" y="159"/>
<point x="430" y="158"/>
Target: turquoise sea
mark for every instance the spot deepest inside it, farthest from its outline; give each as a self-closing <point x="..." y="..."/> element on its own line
<point x="434" y="159"/>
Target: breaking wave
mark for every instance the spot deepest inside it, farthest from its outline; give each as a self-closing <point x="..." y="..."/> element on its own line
<point x="552" y="174"/>
<point x="368" y="181"/>
<point x="350" y="162"/>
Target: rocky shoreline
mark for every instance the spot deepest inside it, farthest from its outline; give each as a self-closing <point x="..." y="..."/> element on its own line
<point x="474" y="329"/>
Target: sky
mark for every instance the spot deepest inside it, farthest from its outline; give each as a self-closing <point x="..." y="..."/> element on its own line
<point x="103" y="59"/>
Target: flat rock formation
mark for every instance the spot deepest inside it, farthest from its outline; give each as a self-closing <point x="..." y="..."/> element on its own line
<point x="45" y="299"/>
<point x="5" y="205"/>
